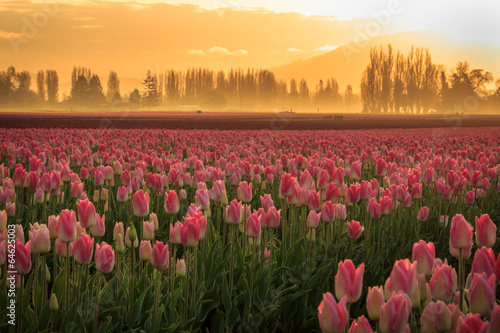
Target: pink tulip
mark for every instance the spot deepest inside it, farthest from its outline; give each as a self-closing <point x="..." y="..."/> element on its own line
<point x="443" y="283"/>
<point x="22" y="257"/>
<point x="365" y="190"/>
<point x="66" y="226"/>
<point x="472" y="323"/>
<point x="460" y="232"/>
<point x="404" y="277"/>
<point x="104" y="258"/>
<point x="422" y="214"/>
<point x="374" y="302"/>
<point x="482" y="294"/>
<point x="424" y="254"/>
<point x="349" y="281"/>
<point x="456" y="252"/>
<point x="99" y="228"/>
<point x="233" y="212"/>
<point x="148" y="230"/>
<point x="486" y="231"/>
<point x="273" y="217"/>
<point x="328" y="212"/>
<point x="145" y="250"/>
<point x="10" y="208"/>
<point x="118" y="229"/>
<point x="494" y="319"/>
<point x="394" y="314"/>
<point x="286" y="184"/>
<point x="338" y="177"/>
<point x="253" y="226"/>
<point x="313" y="219"/>
<point x="52" y="226"/>
<point x="3" y="220"/>
<point x="354" y="229"/>
<point x="19" y="232"/>
<point x="340" y="212"/>
<point x="175" y="233"/>
<point x="190" y="233"/>
<point x="202" y="221"/>
<point x="83" y="249"/>
<point x="355" y="171"/>
<point x="381" y="167"/>
<point x="323" y="180"/>
<point x="202" y="199"/>
<point x="331" y="193"/>
<point x="160" y="256"/>
<point x="385" y="205"/>
<point x="361" y="325"/>
<point x="86" y="213"/>
<point x="374" y="209"/>
<point x="484" y="262"/>
<point x="332" y="316"/>
<point x="140" y="203"/>
<point x="40" y="239"/>
<point x="266" y="202"/>
<point x="171" y="204"/>
<point x="122" y="194"/>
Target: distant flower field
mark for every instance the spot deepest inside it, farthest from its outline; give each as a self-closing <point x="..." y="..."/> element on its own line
<point x="111" y="230"/>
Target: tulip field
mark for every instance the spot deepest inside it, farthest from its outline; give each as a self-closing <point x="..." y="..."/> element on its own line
<point x="156" y="230"/>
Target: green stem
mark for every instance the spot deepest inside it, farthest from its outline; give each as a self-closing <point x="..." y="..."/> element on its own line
<point x="96" y="315"/>
<point x="20" y="320"/>
<point x="66" y="292"/>
<point x="157" y="292"/>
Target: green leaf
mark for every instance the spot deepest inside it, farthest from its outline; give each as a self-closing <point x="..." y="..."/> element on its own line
<point x="136" y="310"/>
<point x="226" y="297"/>
<point x="58" y="285"/>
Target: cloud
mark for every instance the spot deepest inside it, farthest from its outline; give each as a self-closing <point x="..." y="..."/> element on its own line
<point x="224" y="51"/>
<point x="197" y="52"/>
<point x="7" y="35"/>
<point x="327" y="47"/>
<point x="294" y="50"/>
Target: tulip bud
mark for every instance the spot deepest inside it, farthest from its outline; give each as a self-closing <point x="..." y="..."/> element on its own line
<point x="53" y="305"/>
<point x="181" y="267"/>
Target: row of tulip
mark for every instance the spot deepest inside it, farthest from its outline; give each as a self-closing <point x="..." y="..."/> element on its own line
<point x="186" y="230"/>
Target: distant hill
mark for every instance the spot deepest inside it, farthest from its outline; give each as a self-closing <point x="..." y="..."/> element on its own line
<point x="347" y="62"/>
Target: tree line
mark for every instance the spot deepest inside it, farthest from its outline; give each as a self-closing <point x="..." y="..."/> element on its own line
<point x="415" y="84"/>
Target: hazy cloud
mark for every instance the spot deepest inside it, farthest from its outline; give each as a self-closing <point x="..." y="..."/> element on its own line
<point x="327" y="47"/>
<point x="295" y="50"/>
<point x="197" y="52"/>
<point x="223" y="50"/>
<point x="7" y="35"/>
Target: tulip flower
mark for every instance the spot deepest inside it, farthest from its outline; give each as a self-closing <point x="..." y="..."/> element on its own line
<point x="131" y="235"/>
<point x="145" y="250"/>
<point x="456" y="252"/>
<point x="273" y="216"/>
<point x="266" y="202"/>
<point x="404" y="277"/>
<point x="287" y="183"/>
<point x="175" y="233"/>
<point x="495" y="319"/>
<point x="122" y="194"/>
<point x="354" y="229"/>
<point x="86" y="213"/>
<point x="484" y="262"/>
<point x="171" y="204"/>
<point x="424" y="254"/>
<point x="394" y="314"/>
<point x="140" y="203"/>
<point x="233" y="212"/>
<point x="360" y="325"/>
<point x="22" y="257"/>
<point x="472" y="323"/>
<point x="460" y="232"/>
<point x="10" y="208"/>
<point x="66" y="226"/>
<point x="104" y="258"/>
<point x="160" y="256"/>
<point x="83" y="249"/>
<point x="486" y="231"/>
<point x="62" y="249"/>
<point x="313" y="219"/>
<point x="482" y="294"/>
<point x="3" y="220"/>
<point x="340" y="212"/>
<point x="443" y="283"/>
<point x="349" y="281"/>
<point x="180" y="267"/>
<point x="148" y="230"/>
<point x="374" y="302"/>
<point x="385" y="205"/>
<point x="422" y="214"/>
<point x="118" y="229"/>
<point x="244" y="192"/>
<point x="202" y="199"/>
<point x="327" y="212"/>
<point x="253" y="226"/>
<point x="40" y="238"/>
<point x="332" y="316"/>
<point x="190" y="233"/>
<point x="99" y="228"/>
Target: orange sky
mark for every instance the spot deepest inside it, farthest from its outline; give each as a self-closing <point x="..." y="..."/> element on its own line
<point x="131" y="37"/>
